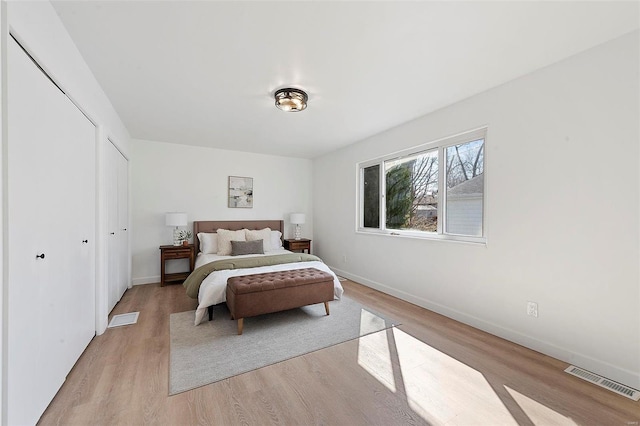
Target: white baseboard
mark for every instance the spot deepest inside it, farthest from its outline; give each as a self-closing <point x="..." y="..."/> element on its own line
<point x="621" y="375"/>
<point x="146" y="280"/>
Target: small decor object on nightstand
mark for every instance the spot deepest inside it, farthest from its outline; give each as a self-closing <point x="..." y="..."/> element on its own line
<point x="176" y="219"/>
<point x="184" y="236"/>
<point x="297" y="219"/>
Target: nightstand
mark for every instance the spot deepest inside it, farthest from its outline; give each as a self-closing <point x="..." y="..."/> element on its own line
<point x="176" y="252"/>
<point x="298" y="245"/>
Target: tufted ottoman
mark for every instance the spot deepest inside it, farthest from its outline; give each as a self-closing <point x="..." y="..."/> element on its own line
<point x="258" y="294"/>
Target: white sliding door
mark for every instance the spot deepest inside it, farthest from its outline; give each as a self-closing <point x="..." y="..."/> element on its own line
<point x="123" y="224"/>
<point x="80" y="196"/>
<point x="118" y="227"/>
<point x="112" y="227"/>
<point x="51" y="237"/>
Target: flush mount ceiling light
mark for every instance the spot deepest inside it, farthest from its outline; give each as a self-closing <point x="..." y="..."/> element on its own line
<point x="291" y="100"/>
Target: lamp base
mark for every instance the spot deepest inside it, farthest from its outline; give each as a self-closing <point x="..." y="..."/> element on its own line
<point x="297" y="233"/>
<point x="176" y="237"/>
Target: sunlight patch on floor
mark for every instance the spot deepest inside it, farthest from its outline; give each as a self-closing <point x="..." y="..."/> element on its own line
<point x="439" y="388"/>
<point x="538" y="413"/>
<point x="373" y="350"/>
<point x="444" y="388"/>
<point x="370" y="322"/>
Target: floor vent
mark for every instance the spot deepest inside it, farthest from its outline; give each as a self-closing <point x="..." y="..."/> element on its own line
<point x="604" y="382"/>
<point x="124" y="319"/>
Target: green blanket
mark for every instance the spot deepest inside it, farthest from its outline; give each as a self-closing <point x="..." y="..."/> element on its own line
<point x="192" y="283"/>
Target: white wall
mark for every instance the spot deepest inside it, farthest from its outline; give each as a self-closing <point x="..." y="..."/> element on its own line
<point x="3" y="167"/>
<point x="37" y="26"/>
<point x="170" y="177"/>
<point x="560" y="141"/>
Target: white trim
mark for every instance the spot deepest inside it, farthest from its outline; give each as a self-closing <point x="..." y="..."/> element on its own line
<point x="382" y="184"/>
<point x="423" y="235"/>
<point x="146" y="280"/>
<point x="102" y="313"/>
<point x="618" y="374"/>
<point x="442" y="178"/>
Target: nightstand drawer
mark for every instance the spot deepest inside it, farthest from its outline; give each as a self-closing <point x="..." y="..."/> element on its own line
<point x="178" y="253"/>
<point x="296" y="245"/>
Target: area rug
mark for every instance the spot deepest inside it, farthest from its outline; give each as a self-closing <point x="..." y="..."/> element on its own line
<point x="214" y="351"/>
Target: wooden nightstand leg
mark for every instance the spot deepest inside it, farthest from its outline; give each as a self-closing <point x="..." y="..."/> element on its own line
<point x="162" y="272"/>
<point x="240" y="325"/>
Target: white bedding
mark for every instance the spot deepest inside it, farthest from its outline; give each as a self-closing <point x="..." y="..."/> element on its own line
<point x="213" y="289"/>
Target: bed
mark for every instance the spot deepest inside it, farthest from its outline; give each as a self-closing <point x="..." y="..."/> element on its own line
<point x="208" y="281"/>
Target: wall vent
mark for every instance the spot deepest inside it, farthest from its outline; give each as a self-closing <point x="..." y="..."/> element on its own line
<point x="604" y="382"/>
<point x="124" y="319"/>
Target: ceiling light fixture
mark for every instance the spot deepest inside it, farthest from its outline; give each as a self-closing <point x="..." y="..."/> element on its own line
<point x="291" y="100"/>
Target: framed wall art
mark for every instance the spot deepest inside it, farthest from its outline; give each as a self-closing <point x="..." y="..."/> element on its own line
<point x="240" y="192"/>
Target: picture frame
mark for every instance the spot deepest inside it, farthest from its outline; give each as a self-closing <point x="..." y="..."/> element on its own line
<point x="240" y="192"/>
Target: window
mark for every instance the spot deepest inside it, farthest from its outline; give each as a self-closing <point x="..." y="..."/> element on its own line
<point x="465" y="188"/>
<point x="371" y="196"/>
<point x="435" y="190"/>
<point x="411" y="192"/>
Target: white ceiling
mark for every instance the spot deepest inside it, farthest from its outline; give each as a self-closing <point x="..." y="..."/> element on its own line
<point x="204" y="72"/>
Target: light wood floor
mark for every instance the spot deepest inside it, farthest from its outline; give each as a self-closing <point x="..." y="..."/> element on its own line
<point x="430" y="370"/>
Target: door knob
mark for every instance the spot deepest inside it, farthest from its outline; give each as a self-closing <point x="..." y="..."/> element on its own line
<point x="113" y="233"/>
<point x="40" y="256"/>
<point x="85" y="241"/>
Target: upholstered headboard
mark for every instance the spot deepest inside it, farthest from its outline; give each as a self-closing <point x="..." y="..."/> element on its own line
<point x="233" y="225"/>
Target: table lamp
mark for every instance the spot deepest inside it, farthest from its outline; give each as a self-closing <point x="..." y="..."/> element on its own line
<point x="176" y="219"/>
<point x="297" y="219"/>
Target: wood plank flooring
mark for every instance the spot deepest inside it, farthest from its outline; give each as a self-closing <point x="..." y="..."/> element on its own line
<point x="431" y="370"/>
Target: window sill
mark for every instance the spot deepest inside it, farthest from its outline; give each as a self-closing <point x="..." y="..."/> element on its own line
<point x="478" y="241"/>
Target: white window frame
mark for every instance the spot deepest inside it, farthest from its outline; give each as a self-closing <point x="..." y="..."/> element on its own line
<point x="441" y="145"/>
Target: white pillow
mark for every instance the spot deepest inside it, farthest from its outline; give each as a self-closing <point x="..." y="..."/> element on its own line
<point x="224" y="240"/>
<point x="208" y="242"/>
<point x="262" y="234"/>
<point x="276" y="240"/>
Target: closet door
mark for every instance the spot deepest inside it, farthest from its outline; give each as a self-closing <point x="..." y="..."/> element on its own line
<point x="118" y="224"/>
<point x="81" y="238"/>
<point x="51" y="210"/>
<point x="123" y="224"/>
<point x="113" y="262"/>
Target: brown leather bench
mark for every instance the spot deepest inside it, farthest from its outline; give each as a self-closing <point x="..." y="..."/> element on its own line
<point x="258" y="294"/>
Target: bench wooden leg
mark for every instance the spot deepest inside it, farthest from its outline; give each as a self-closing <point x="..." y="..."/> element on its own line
<point x="210" y="310"/>
<point x="240" y="325"/>
<point x="326" y="307"/>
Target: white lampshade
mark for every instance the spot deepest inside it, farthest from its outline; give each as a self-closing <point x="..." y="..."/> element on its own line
<point x="296" y="218"/>
<point x="176" y="219"/>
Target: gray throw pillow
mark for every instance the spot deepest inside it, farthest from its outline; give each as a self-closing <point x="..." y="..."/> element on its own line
<point x="246" y="247"/>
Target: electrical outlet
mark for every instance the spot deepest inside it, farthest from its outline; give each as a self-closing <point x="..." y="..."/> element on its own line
<point x="344" y="259"/>
<point x="532" y="309"/>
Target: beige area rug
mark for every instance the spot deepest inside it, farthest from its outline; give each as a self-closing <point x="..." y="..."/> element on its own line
<point x="213" y="350"/>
